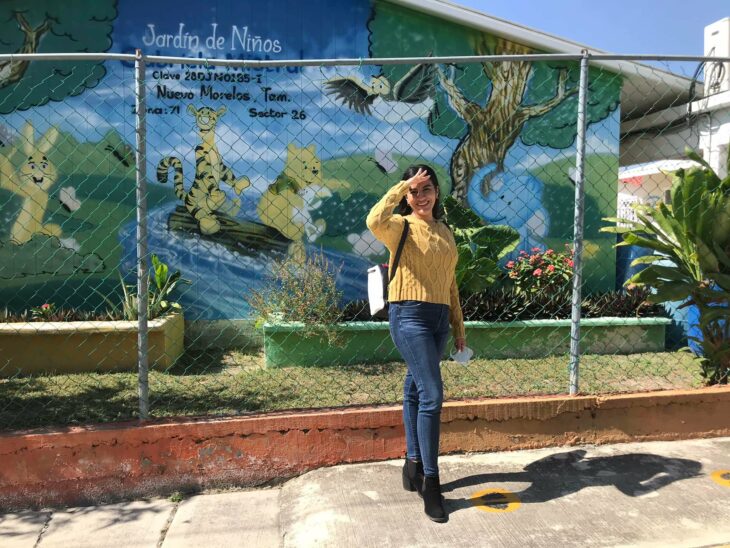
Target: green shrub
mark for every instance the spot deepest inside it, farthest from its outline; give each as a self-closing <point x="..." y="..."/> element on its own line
<point x="301" y="291"/>
<point x="690" y="241"/>
<point x="57" y="315"/>
<point x="543" y="272"/>
<point x="480" y="247"/>
<point x="161" y="286"/>
<point x="507" y="304"/>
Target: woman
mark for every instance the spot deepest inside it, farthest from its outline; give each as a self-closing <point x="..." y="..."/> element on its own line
<point x="424" y="300"/>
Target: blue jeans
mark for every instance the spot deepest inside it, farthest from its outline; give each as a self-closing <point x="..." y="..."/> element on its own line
<point x="420" y="331"/>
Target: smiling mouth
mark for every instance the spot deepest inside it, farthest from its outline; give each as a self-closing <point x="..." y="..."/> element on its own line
<point x="38" y="180"/>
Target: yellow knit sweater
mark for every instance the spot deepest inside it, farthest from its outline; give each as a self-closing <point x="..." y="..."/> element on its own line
<point x="427" y="262"/>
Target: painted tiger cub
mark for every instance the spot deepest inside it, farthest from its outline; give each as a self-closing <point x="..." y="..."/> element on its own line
<point x="205" y="196"/>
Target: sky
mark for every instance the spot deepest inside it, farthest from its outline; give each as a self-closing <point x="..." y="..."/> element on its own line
<point x="669" y="27"/>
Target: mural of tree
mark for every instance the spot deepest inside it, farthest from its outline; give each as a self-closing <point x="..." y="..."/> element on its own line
<point x="49" y="26"/>
<point x="489" y="106"/>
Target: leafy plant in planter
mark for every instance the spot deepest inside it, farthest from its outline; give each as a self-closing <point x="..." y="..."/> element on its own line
<point x="48" y="312"/>
<point x="357" y="311"/>
<point x="632" y="302"/>
<point x="505" y="304"/>
<point x="301" y="291"/>
<point x="691" y="241"/>
<point x="542" y="281"/>
<point x="161" y="286"/>
<point x="495" y="304"/>
<point x="547" y="272"/>
<point x="27" y="348"/>
<point x="43" y="312"/>
<point x="479" y="246"/>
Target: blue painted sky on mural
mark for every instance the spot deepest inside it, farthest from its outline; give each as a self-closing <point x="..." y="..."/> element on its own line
<point x="669" y="27"/>
<point x="258" y="148"/>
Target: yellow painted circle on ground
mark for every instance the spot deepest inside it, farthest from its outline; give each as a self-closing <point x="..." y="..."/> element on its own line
<point x="721" y="477"/>
<point x="495" y="500"/>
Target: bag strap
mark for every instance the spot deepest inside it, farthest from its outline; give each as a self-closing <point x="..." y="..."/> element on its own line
<point x="399" y="250"/>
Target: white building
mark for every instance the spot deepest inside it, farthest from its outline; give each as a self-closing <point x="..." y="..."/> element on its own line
<point x="654" y="144"/>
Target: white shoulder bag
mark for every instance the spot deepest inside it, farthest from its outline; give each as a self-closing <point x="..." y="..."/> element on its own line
<point x="379" y="278"/>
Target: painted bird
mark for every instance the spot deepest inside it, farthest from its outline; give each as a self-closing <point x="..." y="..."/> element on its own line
<point x="415" y="86"/>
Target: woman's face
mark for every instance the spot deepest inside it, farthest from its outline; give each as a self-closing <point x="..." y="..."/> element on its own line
<point x="421" y="198"/>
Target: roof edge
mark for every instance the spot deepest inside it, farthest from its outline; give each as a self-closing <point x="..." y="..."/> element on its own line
<point x="536" y="38"/>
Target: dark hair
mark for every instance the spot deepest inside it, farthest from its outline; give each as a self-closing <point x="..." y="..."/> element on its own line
<point x="404" y="208"/>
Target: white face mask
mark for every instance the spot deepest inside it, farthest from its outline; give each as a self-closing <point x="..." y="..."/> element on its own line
<point x="463" y="356"/>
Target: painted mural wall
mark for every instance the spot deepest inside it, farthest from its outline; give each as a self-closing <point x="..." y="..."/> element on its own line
<point x="246" y="165"/>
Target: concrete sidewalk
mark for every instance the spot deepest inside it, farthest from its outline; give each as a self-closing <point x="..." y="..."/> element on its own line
<point x="638" y="494"/>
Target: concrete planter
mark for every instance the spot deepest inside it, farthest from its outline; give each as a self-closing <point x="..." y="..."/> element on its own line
<point x="75" y="347"/>
<point x="370" y="342"/>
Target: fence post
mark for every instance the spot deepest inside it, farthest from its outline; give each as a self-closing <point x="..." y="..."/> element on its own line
<point x="142" y="277"/>
<point x="580" y="144"/>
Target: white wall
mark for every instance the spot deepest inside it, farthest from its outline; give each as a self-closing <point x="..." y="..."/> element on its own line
<point x="714" y="139"/>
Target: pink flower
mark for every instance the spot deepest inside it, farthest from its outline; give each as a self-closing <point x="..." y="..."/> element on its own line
<point x="537" y="272"/>
<point x="551" y="268"/>
<point x="45" y="306"/>
<point x="549" y="252"/>
<point x="570" y="263"/>
<point x="535" y="249"/>
<point x="510" y="264"/>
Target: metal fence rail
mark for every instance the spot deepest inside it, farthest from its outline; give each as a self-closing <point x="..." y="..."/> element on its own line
<point x="264" y="172"/>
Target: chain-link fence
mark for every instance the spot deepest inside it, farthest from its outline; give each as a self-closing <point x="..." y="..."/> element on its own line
<point x="235" y="194"/>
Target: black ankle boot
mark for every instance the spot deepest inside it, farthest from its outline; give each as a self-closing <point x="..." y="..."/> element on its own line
<point x="413" y="475"/>
<point x="432" y="501"/>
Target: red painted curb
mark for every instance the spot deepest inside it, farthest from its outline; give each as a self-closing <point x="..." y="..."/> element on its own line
<point x="117" y="461"/>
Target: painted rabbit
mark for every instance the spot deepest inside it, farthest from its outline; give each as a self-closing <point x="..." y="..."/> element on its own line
<point x="31" y="182"/>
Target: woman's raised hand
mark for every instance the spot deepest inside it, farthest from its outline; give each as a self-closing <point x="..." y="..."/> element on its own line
<point x="421" y="176"/>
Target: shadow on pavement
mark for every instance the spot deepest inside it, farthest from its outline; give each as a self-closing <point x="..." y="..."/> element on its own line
<point x="561" y="474"/>
<point x="15" y="525"/>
